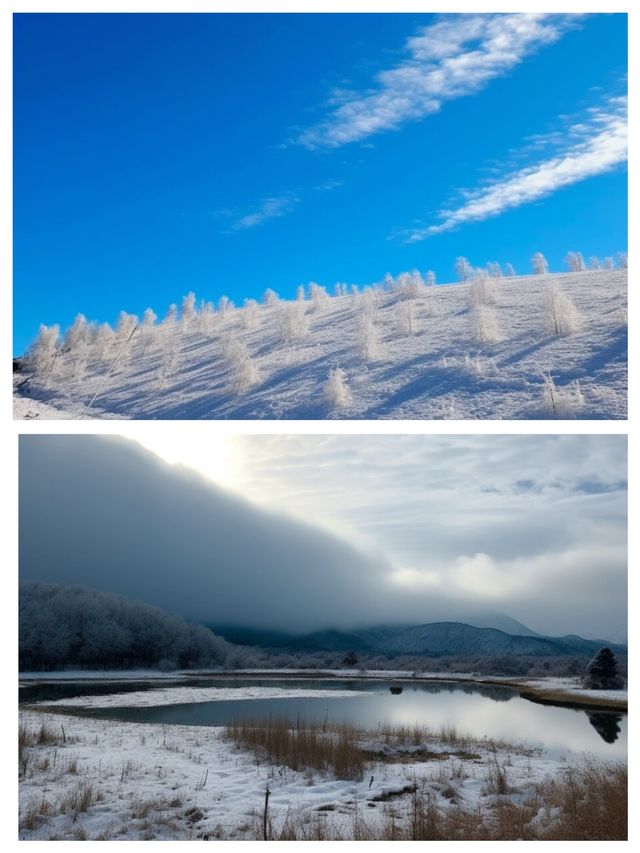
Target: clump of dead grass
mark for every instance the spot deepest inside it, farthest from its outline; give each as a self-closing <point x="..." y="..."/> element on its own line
<point x="327" y="749"/>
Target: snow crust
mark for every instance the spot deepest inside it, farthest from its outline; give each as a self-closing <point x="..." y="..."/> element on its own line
<point x="184" y="695"/>
<point x="441" y="370"/>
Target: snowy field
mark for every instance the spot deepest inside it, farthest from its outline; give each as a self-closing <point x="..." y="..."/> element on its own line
<point x="112" y="780"/>
<point x="548" y="346"/>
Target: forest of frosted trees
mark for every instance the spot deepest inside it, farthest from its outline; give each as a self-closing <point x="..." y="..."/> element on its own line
<point x="73" y="626"/>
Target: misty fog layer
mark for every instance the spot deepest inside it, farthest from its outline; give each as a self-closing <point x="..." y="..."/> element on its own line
<point x="105" y="513"/>
<point x="407" y="529"/>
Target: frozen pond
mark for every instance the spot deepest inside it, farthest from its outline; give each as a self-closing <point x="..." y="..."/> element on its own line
<point x="480" y="710"/>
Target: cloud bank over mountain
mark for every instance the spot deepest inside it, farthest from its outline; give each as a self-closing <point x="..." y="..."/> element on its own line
<point x="334" y="531"/>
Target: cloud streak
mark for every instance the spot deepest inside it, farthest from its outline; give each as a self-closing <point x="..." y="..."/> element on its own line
<point x="599" y="144"/>
<point x="270" y="208"/>
<point x="454" y="57"/>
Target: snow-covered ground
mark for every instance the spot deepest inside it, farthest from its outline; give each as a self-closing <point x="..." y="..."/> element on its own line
<point x="112" y="780"/>
<point x="572" y="688"/>
<point x="182" y="695"/>
<point x="439" y="370"/>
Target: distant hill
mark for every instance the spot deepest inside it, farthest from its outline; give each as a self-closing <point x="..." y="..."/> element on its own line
<point x="436" y="639"/>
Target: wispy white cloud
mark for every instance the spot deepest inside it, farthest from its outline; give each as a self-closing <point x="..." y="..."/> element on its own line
<point x="456" y="56"/>
<point x="270" y="208"/>
<point x="328" y="185"/>
<point x="594" y="145"/>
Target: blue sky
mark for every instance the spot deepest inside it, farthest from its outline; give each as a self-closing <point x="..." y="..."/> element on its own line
<point x="157" y="154"/>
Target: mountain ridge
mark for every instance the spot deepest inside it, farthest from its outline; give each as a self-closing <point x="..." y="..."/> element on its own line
<point x="433" y="639"/>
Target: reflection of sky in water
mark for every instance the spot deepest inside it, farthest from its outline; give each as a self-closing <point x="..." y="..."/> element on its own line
<point x="484" y="711"/>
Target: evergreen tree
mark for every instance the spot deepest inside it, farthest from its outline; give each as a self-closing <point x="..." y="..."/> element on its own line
<point x="602" y="671"/>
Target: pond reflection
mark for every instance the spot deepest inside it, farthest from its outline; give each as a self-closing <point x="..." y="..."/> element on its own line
<point x="476" y="709"/>
<point x="607" y="725"/>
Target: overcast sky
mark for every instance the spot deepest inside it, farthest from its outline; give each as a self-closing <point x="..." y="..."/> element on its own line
<point x="305" y="532"/>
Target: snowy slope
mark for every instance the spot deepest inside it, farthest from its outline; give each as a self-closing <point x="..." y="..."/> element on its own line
<point x="438" y="371"/>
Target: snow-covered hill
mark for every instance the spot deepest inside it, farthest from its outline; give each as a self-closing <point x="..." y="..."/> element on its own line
<point x="528" y="347"/>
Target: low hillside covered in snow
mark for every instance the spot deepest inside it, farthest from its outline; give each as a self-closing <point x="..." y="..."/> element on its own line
<point x="542" y="346"/>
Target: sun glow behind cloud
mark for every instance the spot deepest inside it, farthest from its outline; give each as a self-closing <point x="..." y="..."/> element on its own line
<point x="212" y="455"/>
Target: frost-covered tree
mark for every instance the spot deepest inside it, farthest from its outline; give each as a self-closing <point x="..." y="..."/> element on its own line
<point x="340" y="289"/>
<point x="188" y="310"/>
<point x="430" y="278"/>
<point x="149" y="318"/>
<point x="125" y="327"/>
<point x="560" y="402"/>
<point x="482" y="290"/>
<point x="44" y="351"/>
<point x="250" y="313"/>
<point x="415" y="285"/>
<point x="63" y="626"/>
<point x="224" y="306"/>
<point x="463" y="269"/>
<point x="549" y="395"/>
<point x="355" y="290"/>
<point x="494" y="270"/>
<point x="607" y="264"/>
<point x="243" y="372"/>
<point x="368" y="340"/>
<point x="539" y="264"/>
<point x="169" y="366"/>
<point x="594" y="263"/>
<point x="319" y="297"/>
<point x="484" y="324"/>
<point x="171" y="318"/>
<point x="103" y="342"/>
<point x="206" y="318"/>
<point x="78" y="335"/>
<point x="602" y="672"/>
<point x="405" y="317"/>
<point x="335" y="390"/>
<point x="509" y="270"/>
<point x="292" y="322"/>
<point x="559" y="313"/>
<point x="575" y="261"/>
<point x="148" y="328"/>
<point x="401" y="285"/>
<point x="408" y="285"/>
<point x="365" y="302"/>
<point x="300" y="293"/>
<point x="621" y="258"/>
<point x="270" y="297"/>
<point x="77" y="345"/>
